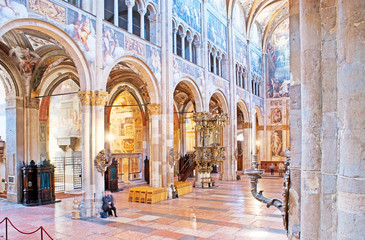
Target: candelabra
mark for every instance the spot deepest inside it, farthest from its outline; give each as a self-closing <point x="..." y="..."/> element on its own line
<point x="255" y="174"/>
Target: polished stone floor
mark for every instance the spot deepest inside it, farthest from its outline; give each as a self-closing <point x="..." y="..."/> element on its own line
<point x="225" y="212"/>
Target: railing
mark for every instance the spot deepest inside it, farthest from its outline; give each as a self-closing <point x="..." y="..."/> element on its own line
<point x="6" y="220"/>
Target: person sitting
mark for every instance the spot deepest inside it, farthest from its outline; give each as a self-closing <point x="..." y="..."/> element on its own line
<point x="108" y="204"/>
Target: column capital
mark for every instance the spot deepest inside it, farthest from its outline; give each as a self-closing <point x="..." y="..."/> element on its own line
<point x="182" y="35"/>
<point x="154" y="109"/>
<point x="142" y="11"/>
<point x="190" y="38"/>
<point x="129" y="3"/>
<point x="91" y="98"/>
<point x="33" y="103"/>
<point x="196" y="42"/>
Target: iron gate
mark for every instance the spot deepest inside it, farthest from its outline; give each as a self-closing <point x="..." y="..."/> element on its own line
<point x="66" y="166"/>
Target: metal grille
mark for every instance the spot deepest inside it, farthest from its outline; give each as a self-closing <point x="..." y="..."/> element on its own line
<point x="68" y="166"/>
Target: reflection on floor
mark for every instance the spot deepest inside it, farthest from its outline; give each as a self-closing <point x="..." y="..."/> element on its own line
<point x="225" y="212"/>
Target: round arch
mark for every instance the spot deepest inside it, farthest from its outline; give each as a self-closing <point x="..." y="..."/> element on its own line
<point x="243" y="107"/>
<point x="222" y="99"/>
<point x="199" y="106"/>
<point x="259" y="115"/>
<point x="12" y="83"/>
<point x="150" y="80"/>
<point x="62" y="38"/>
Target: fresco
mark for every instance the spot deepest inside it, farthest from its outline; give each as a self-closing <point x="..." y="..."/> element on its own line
<point x="256" y="63"/>
<point x="219" y="6"/>
<point x="217" y="31"/>
<point x="278" y="62"/>
<point x="276" y="115"/>
<point x="12" y="9"/>
<point x="239" y="19"/>
<point x="126" y="125"/>
<point x="218" y="83"/>
<point x="64" y="116"/>
<point x="155" y="1"/>
<point x="189" y="11"/>
<point x="241" y="51"/>
<point x="48" y="9"/>
<point x="113" y="43"/>
<point x="255" y="36"/>
<point x="153" y="60"/>
<point x="82" y="29"/>
<point x="182" y="68"/>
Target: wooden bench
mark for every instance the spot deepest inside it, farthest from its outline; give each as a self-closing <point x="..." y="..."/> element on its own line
<point x="207" y="182"/>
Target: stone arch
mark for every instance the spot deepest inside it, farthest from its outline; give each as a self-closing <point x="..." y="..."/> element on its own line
<point x="150" y="80"/>
<point x="12" y="80"/>
<point x="199" y="106"/>
<point x="259" y="115"/>
<point x="222" y="98"/>
<point x="243" y="107"/>
<point x="62" y="38"/>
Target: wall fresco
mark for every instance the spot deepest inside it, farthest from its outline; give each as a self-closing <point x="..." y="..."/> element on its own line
<point x="278" y="63"/>
<point x="134" y="47"/>
<point x="189" y="11"/>
<point x="182" y="68"/>
<point x="218" y="83"/>
<point x="48" y="9"/>
<point x="11" y="10"/>
<point x="219" y="6"/>
<point x="240" y="51"/>
<point x="82" y="29"/>
<point x="217" y="31"/>
<point x="153" y="60"/>
<point x="256" y="63"/>
<point x="113" y="45"/>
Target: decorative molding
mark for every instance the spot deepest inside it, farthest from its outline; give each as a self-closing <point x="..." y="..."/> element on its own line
<point x="154" y="109"/>
<point x="85" y="97"/>
<point x="33" y="103"/>
<point x="101" y="162"/>
<point x="90" y="98"/>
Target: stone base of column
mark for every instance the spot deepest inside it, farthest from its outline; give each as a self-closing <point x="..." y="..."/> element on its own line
<point x="90" y="208"/>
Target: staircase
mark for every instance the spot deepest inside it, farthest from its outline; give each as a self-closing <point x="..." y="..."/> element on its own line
<point x="188" y="167"/>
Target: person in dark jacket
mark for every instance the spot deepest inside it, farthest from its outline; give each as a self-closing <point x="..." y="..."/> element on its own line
<point x="108" y="204"/>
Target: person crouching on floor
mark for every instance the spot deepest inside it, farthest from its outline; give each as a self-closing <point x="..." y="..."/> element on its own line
<point x="108" y="204"/>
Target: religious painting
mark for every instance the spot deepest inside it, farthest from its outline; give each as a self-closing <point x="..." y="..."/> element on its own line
<point x="241" y="51"/>
<point x="128" y="145"/>
<point x="279" y="62"/>
<point x="276" y="115"/>
<point x="12" y="9"/>
<point x="276" y="143"/>
<point x="134" y="46"/>
<point x="219" y="6"/>
<point x="48" y="9"/>
<point x="82" y="29"/>
<point x="217" y="31"/>
<point x="153" y="59"/>
<point x="256" y="62"/>
<point x="189" y="11"/>
<point x="239" y="19"/>
<point x="129" y="130"/>
<point x="113" y="43"/>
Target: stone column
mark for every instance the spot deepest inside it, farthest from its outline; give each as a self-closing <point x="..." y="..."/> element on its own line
<point x="154" y="112"/>
<point x="98" y="107"/>
<point x="32" y="130"/>
<point x="85" y="99"/>
<point x="351" y="108"/>
<point x="14" y="147"/>
<point x="219" y="70"/>
<point x="175" y="42"/>
<point x="142" y="12"/>
<point x="130" y="5"/>
<point x="295" y="119"/>
<point x="209" y="62"/>
<point x="198" y="51"/>
<point x="214" y="63"/>
<point x="310" y="32"/>
<point x="116" y="13"/>
<point x="182" y="35"/>
<point x="190" y="40"/>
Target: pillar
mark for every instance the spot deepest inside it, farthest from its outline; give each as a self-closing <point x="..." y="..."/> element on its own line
<point x="214" y="63"/>
<point x="351" y="107"/>
<point x="198" y="51"/>
<point x="311" y="115"/>
<point x="154" y="111"/>
<point x="14" y="147"/>
<point x="116" y="13"/>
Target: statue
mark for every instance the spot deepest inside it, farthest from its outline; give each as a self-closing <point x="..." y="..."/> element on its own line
<point x="275" y="144"/>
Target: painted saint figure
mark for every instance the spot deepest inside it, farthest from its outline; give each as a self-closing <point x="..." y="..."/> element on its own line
<point x="275" y="144"/>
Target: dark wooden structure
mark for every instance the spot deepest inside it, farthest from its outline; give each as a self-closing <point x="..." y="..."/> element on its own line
<point x="38" y="184"/>
<point x="111" y="177"/>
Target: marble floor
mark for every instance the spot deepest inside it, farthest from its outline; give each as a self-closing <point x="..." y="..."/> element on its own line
<point x="225" y="212"/>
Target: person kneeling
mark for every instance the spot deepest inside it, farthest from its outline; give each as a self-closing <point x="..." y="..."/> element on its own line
<point x="108" y="204"/>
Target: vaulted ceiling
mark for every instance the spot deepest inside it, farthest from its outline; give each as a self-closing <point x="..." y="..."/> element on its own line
<point x="268" y="14"/>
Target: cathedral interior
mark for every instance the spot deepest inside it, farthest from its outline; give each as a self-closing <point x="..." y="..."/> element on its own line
<point x="211" y="100"/>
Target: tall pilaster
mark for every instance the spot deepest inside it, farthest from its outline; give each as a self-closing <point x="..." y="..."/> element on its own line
<point x="154" y="111"/>
<point x="311" y="93"/>
<point x="351" y="108"/>
<point x="142" y="12"/>
<point x="15" y="147"/>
